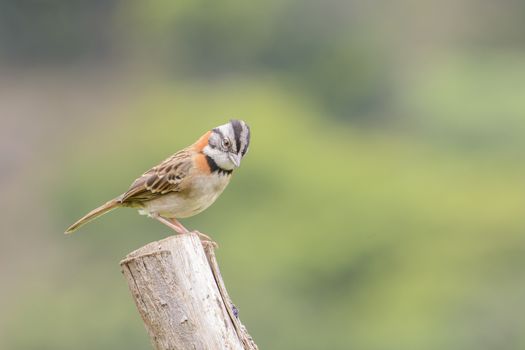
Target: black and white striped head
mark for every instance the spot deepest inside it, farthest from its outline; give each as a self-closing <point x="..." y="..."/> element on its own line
<point x="228" y="143"/>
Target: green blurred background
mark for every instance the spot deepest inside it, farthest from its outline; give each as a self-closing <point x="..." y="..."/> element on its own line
<point x="381" y="203"/>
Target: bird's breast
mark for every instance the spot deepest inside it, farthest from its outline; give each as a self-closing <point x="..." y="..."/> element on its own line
<point x="202" y="192"/>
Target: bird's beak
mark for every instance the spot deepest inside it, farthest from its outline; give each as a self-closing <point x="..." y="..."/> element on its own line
<point x="235" y="158"/>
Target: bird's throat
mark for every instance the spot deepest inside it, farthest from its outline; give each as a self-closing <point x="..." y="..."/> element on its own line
<point x="214" y="167"/>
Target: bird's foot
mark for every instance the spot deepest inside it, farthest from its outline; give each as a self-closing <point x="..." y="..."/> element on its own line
<point x="176" y="226"/>
<point x="206" y="240"/>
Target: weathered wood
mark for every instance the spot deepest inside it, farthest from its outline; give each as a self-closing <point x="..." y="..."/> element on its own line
<point x="180" y="294"/>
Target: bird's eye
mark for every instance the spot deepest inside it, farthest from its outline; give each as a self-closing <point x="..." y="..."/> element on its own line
<point x="226" y="143"/>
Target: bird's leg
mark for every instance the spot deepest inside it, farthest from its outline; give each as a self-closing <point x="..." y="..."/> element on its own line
<point x="170" y="224"/>
<point x="178" y="224"/>
<point x="175" y="225"/>
<point x="204" y="238"/>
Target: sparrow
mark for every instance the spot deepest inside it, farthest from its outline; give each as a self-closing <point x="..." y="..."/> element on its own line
<point x="186" y="183"/>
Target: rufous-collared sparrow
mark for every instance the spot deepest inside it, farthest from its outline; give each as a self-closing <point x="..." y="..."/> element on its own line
<point x="186" y="183"/>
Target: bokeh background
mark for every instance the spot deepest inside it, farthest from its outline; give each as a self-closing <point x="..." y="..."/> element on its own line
<point x="381" y="205"/>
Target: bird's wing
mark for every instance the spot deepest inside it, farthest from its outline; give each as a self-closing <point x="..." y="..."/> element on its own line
<point x="169" y="176"/>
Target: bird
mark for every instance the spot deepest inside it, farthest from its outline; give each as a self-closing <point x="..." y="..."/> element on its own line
<point x="186" y="183"/>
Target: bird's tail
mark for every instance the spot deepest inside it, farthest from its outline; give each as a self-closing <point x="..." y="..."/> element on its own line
<point x="95" y="213"/>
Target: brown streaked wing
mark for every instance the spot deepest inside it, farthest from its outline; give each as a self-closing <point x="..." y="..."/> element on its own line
<point x="168" y="176"/>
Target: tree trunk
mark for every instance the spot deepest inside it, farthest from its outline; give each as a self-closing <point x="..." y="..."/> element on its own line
<point x="180" y="294"/>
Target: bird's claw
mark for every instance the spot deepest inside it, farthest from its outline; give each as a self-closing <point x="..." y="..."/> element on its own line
<point x="206" y="240"/>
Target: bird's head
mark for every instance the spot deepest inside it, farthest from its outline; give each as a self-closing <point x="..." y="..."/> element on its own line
<point x="228" y="144"/>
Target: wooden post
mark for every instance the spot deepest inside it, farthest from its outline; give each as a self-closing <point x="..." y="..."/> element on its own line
<point x="180" y="294"/>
